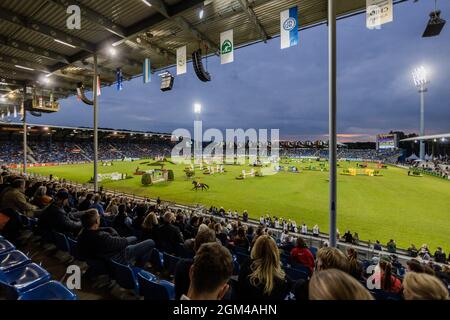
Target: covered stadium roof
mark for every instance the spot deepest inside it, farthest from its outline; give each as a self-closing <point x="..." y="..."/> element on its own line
<point x="429" y="137"/>
<point x="35" y="41"/>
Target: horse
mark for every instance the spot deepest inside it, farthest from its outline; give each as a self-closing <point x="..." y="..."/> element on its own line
<point x="200" y="185"/>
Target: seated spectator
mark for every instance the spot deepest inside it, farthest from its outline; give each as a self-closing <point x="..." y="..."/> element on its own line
<point x="355" y="268"/>
<point x="439" y="255"/>
<point x="86" y="203"/>
<point x="245" y="216"/>
<point x="181" y="280"/>
<point x="356" y="238"/>
<point x="332" y="258"/>
<point x="105" y="243"/>
<point x="192" y="227"/>
<point x="377" y="246"/>
<point x="149" y="226"/>
<point x="122" y="223"/>
<point x="315" y="231"/>
<point x="112" y="209"/>
<point x="97" y="205"/>
<point x="334" y="284"/>
<point x="383" y="273"/>
<point x="302" y="255"/>
<point x="55" y="218"/>
<point x="391" y="246"/>
<point x="40" y="197"/>
<point x="412" y="251"/>
<point x="220" y="234"/>
<point x="168" y="236"/>
<point x="241" y="240"/>
<point x="261" y="277"/>
<point x="348" y="238"/>
<point x="140" y="212"/>
<point x="14" y="198"/>
<point x="210" y="273"/>
<point x="422" y="286"/>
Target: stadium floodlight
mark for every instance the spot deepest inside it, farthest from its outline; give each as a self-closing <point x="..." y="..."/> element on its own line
<point x="420" y="77"/>
<point x="197" y="108"/>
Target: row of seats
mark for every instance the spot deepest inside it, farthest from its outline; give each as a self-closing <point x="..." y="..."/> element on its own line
<point x="22" y="279"/>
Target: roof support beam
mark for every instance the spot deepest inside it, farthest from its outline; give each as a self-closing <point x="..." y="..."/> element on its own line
<point x="254" y="20"/>
<point x="45" y="30"/>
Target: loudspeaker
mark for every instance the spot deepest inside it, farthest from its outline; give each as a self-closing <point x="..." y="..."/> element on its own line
<point x="435" y="25"/>
<point x="201" y="73"/>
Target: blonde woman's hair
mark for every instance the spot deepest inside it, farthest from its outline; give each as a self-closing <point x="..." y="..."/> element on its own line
<point x="150" y="221"/>
<point x="422" y="286"/>
<point x="334" y="284"/>
<point x="266" y="264"/>
<point x="331" y="258"/>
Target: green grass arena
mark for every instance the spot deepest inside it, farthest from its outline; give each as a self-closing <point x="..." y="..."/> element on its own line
<point x="395" y="205"/>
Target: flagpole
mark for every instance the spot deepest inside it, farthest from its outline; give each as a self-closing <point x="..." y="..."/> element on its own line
<point x="95" y="95"/>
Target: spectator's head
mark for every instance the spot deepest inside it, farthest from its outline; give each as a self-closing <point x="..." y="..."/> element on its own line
<point x="331" y="258"/>
<point x="204" y="236"/>
<point x="210" y="272"/>
<point x="301" y="243"/>
<point x="97" y="198"/>
<point x="352" y="254"/>
<point x="40" y="192"/>
<point x="122" y="208"/>
<point x="18" y="184"/>
<point x="334" y="284"/>
<point x="169" y="217"/>
<point x="89" y="196"/>
<point x="414" y="265"/>
<point x="266" y="266"/>
<point x="150" y="221"/>
<point x="202" y="227"/>
<point x="90" y="219"/>
<point x="62" y="197"/>
<point x="422" y="286"/>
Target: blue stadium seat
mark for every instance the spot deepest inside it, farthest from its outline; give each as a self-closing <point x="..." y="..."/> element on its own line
<point x="153" y="290"/>
<point x="295" y="274"/>
<point x="21" y="279"/>
<point x="73" y="248"/>
<point x="384" y="295"/>
<point x="13" y="259"/>
<point x="51" y="290"/>
<point x="61" y="241"/>
<point x="285" y="258"/>
<point x="157" y="259"/>
<point x="300" y="267"/>
<point x="170" y="262"/>
<point x="236" y="266"/>
<point x="6" y="246"/>
<point x="127" y="276"/>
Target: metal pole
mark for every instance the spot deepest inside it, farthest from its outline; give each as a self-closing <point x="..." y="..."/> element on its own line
<point x="94" y="86"/>
<point x="422" y="121"/>
<point x="25" y="144"/>
<point x="332" y="145"/>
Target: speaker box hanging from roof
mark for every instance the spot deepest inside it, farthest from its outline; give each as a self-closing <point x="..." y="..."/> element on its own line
<point x="201" y="73"/>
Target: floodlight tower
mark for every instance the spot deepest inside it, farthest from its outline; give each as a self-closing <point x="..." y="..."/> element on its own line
<point x="421" y="81"/>
<point x="198" y="134"/>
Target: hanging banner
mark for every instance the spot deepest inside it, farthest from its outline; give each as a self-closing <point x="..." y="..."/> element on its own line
<point x="99" y="86"/>
<point x="289" y="27"/>
<point x="181" y="60"/>
<point x="378" y="12"/>
<point x="146" y="70"/>
<point x="119" y="79"/>
<point x="15" y="112"/>
<point x="226" y="47"/>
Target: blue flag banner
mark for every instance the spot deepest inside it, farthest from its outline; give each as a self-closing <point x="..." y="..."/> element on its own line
<point x="146" y="70"/>
<point x="289" y="27"/>
<point x="119" y="78"/>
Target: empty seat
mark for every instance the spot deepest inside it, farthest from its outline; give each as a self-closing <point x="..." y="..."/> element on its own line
<point x="13" y="259"/>
<point x="170" y="262"/>
<point x="157" y="259"/>
<point x="6" y="246"/>
<point x="21" y="279"/>
<point x="73" y="248"/>
<point x="127" y="276"/>
<point x="61" y="241"/>
<point x="51" y="290"/>
<point x="154" y="290"/>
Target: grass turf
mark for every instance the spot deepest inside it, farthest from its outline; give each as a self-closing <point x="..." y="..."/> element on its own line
<point x="407" y="209"/>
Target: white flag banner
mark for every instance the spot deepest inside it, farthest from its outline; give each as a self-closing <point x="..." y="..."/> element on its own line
<point x="181" y="60"/>
<point x="226" y="47"/>
<point x="379" y="12"/>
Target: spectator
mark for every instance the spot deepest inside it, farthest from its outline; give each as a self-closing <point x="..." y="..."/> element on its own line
<point x="412" y="251"/>
<point x="40" y="197"/>
<point x="377" y="246"/>
<point x="149" y="226"/>
<point x="355" y="238"/>
<point x="245" y="216"/>
<point x="315" y="231"/>
<point x="391" y="246"/>
<point x="86" y="203"/>
<point x="421" y="286"/>
<point x="355" y="268"/>
<point x="122" y="223"/>
<point x="331" y="258"/>
<point x="334" y="284"/>
<point x="210" y="272"/>
<point x="55" y="218"/>
<point x="439" y="255"/>
<point x="181" y="280"/>
<point x="14" y="198"/>
<point x="112" y="209"/>
<point x="97" y="205"/>
<point x="241" y="240"/>
<point x="261" y="277"/>
<point x="348" y="238"/>
<point x="105" y="243"/>
<point x="302" y="255"/>
<point x="168" y="236"/>
<point x="384" y="274"/>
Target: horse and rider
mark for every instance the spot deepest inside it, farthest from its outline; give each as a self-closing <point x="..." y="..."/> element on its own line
<point x="199" y="185"/>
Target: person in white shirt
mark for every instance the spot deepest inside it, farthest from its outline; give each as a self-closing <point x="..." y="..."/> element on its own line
<point x="315" y="231"/>
<point x="236" y="214"/>
<point x="261" y="220"/>
<point x="284" y="237"/>
<point x="304" y="229"/>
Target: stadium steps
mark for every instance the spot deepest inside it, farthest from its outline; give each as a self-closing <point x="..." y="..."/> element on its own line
<point x="83" y="153"/>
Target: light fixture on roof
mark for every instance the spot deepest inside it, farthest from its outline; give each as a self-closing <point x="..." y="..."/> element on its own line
<point x="112" y="51"/>
<point x="45" y="128"/>
<point x="443" y="140"/>
<point x="65" y="43"/>
<point x="201" y="13"/>
<point x="166" y="81"/>
<point x="434" y="140"/>
<point x="147" y="3"/>
<point x="115" y="133"/>
<point x="23" y="67"/>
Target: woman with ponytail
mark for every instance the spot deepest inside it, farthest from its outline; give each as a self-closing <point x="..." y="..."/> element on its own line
<point x="388" y="281"/>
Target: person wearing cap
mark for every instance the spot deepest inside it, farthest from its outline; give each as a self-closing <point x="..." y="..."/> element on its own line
<point x="14" y="198"/>
<point x="55" y="217"/>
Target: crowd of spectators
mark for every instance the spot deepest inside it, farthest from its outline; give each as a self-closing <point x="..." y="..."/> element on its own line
<point x="439" y="166"/>
<point x="385" y="156"/>
<point x="127" y="230"/>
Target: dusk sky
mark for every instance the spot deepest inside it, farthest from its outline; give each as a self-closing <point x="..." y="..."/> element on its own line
<point x="288" y="89"/>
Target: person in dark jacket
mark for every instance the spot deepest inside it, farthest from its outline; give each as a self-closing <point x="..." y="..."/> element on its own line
<point x="168" y="236"/>
<point x="122" y="223"/>
<point x="55" y="218"/>
<point x="86" y="203"/>
<point x="261" y="277"/>
<point x="95" y="242"/>
<point x="182" y="281"/>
